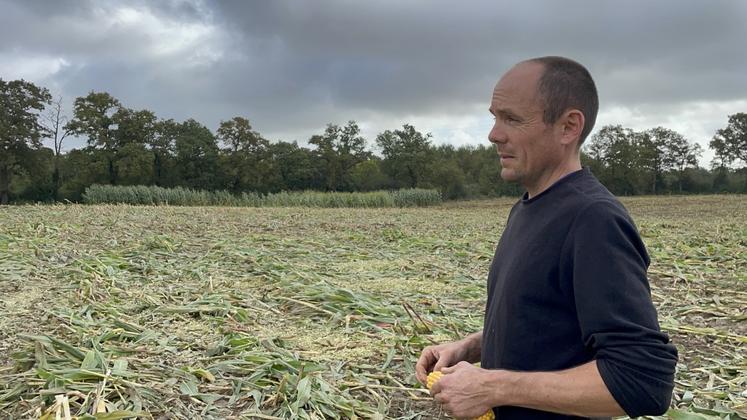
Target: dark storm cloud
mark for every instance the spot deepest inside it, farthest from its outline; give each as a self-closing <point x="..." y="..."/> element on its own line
<point x="293" y="66"/>
<point x="430" y="54"/>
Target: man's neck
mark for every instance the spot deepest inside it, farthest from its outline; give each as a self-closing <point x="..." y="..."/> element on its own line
<point x="546" y="180"/>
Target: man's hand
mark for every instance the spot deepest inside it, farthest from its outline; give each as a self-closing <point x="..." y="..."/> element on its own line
<point x="434" y="358"/>
<point x="467" y="391"/>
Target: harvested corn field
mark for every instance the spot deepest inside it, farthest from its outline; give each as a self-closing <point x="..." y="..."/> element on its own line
<point x="188" y="312"/>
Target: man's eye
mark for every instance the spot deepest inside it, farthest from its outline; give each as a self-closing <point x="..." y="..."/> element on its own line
<point x="507" y="118"/>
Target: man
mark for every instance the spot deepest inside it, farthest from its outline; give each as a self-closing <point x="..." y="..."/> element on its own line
<point x="570" y="329"/>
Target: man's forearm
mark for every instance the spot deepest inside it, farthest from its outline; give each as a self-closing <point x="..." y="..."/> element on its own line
<point x="577" y="391"/>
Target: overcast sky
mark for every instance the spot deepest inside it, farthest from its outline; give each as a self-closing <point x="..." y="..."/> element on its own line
<point x="291" y="67"/>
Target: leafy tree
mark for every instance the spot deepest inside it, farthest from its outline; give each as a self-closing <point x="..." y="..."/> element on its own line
<point x="94" y="118"/>
<point x="664" y="150"/>
<point x="246" y="160"/>
<point x="20" y="131"/>
<point x="470" y="159"/>
<point x="130" y="140"/>
<point x="134" y="164"/>
<point x="127" y="146"/>
<point x="34" y="182"/>
<point x="161" y="145"/>
<point x="652" y="154"/>
<point x="238" y="136"/>
<point x="326" y="158"/>
<point x="136" y="132"/>
<point x="351" y="150"/>
<point x="54" y="121"/>
<point x="196" y="155"/>
<point x="449" y="178"/>
<point x="406" y="155"/>
<point x="368" y="176"/>
<point x="133" y="126"/>
<point x="81" y="168"/>
<point x="293" y="166"/>
<point x="684" y="155"/>
<point x="339" y="149"/>
<point x="621" y="152"/>
<point x="730" y="143"/>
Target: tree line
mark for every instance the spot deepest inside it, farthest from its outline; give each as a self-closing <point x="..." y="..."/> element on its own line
<point x="134" y="147"/>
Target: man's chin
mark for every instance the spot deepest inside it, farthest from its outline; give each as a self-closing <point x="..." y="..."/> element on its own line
<point x="509" y="175"/>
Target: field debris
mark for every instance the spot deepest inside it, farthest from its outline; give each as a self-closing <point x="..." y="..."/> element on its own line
<point x="114" y="311"/>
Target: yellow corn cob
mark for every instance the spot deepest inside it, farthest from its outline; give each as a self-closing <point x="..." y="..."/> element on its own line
<point x="433" y="377"/>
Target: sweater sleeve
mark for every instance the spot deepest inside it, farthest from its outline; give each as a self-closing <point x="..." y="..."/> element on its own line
<point x="616" y="315"/>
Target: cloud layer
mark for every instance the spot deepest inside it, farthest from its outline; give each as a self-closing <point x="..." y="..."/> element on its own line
<point x="291" y="67"/>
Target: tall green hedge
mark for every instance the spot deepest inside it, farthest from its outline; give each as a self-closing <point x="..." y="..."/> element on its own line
<point x="154" y="195"/>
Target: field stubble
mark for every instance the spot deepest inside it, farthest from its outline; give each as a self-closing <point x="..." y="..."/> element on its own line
<point x="293" y="313"/>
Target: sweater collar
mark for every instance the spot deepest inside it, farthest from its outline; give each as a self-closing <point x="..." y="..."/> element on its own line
<point x="566" y="178"/>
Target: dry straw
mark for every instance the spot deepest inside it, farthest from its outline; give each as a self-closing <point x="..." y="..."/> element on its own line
<point x="275" y="313"/>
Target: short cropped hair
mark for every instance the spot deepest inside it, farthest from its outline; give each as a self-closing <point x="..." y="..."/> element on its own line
<point x="566" y="84"/>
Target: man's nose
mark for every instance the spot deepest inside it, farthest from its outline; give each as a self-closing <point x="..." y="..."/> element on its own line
<point x="497" y="134"/>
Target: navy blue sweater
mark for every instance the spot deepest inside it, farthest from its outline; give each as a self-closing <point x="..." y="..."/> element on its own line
<point x="568" y="285"/>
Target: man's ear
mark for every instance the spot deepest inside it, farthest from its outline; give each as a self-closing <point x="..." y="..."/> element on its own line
<point x="571" y="125"/>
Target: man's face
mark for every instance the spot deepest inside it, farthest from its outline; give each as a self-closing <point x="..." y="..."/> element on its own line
<point x="523" y="141"/>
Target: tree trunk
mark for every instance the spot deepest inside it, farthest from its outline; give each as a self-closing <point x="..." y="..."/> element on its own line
<point x="413" y="177"/>
<point x="4" y="183"/>
<point x="56" y="178"/>
<point x="157" y="169"/>
<point x="112" y="172"/>
<point x="679" y="180"/>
